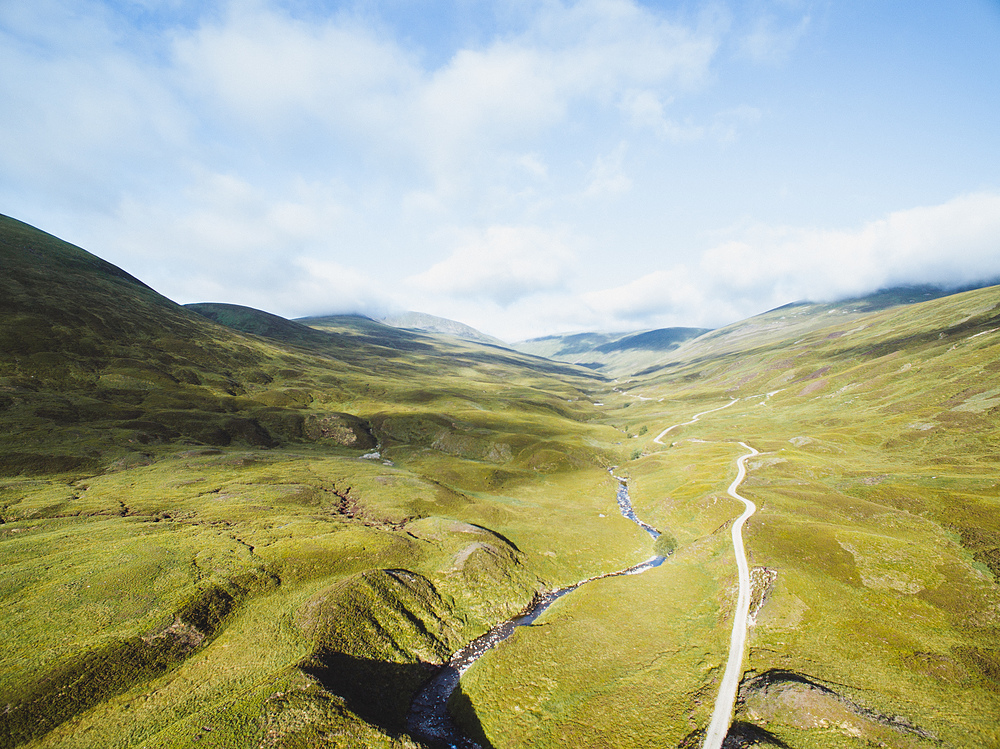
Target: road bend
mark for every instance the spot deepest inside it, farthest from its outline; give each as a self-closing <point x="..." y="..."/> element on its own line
<point x="658" y="438"/>
<point x="723" y="713"/>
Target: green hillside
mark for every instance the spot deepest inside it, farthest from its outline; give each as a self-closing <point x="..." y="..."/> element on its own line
<point x="876" y="542"/>
<point x="198" y="524"/>
<point x="221" y="528"/>
<point x="626" y="354"/>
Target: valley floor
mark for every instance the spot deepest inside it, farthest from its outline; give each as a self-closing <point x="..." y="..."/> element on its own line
<point x="219" y="528"/>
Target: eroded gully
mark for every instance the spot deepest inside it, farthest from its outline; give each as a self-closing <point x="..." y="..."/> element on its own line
<point x="429" y="720"/>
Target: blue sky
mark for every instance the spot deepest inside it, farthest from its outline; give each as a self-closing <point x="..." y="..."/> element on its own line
<point x="527" y="167"/>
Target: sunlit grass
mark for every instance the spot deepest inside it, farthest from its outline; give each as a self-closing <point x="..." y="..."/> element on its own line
<point x="193" y="544"/>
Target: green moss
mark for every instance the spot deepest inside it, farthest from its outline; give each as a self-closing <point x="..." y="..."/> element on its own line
<point x="206" y="611"/>
<point x="80" y="683"/>
<point x="665" y="544"/>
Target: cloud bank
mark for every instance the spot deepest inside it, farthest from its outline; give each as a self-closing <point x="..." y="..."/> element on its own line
<point x="951" y="245"/>
<point x="541" y="166"/>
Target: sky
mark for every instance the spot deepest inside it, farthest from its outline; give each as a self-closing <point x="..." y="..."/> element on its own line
<point x="527" y="167"/>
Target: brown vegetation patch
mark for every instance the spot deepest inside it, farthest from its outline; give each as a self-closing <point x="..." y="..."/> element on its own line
<point x="803" y="702"/>
<point x="812" y="387"/>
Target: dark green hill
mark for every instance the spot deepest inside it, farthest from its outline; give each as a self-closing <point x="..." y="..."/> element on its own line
<point x="59" y="299"/>
<point x="897" y="296"/>
<point x="563" y="346"/>
<point x="83" y="343"/>
<point x="311" y="495"/>
<point x="257" y="322"/>
<point x="86" y="345"/>
<point x="357" y="329"/>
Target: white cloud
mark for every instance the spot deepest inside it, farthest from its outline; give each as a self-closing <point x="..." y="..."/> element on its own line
<point x="276" y="74"/>
<point x="326" y="286"/>
<point x="728" y="124"/>
<point x="221" y="214"/>
<point x="771" y="41"/>
<point x="495" y="94"/>
<point x="225" y="239"/>
<point x="272" y="71"/>
<point x="599" y="45"/>
<point x="501" y="264"/>
<point x="646" y="296"/>
<point x="607" y="176"/>
<point x="955" y="243"/>
<point x="646" y="110"/>
<point x="82" y="114"/>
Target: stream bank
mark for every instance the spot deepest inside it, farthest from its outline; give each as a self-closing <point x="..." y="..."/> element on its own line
<point x="429" y="720"/>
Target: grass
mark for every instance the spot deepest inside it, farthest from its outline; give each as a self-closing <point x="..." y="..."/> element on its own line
<point x="195" y="551"/>
<point x="278" y="557"/>
<point x="189" y="534"/>
<point x="878" y="511"/>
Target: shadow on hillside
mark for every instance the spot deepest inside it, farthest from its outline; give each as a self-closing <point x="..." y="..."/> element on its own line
<point x="529" y="361"/>
<point x="741" y="735"/>
<point x="379" y="692"/>
<point x="472" y="728"/>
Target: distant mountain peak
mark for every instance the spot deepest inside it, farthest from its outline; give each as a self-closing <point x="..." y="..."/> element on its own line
<point x="441" y="325"/>
<point x="611" y="353"/>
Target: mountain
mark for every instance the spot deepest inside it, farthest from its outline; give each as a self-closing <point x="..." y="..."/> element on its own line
<point x="876" y="543"/>
<point x="186" y="505"/>
<point x="442" y="325"/>
<point x="610" y="353"/>
<point x="627" y="354"/>
<point x="794" y="320"/>
<point x="222" y="528"/>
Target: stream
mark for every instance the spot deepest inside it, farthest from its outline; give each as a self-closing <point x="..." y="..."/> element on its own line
<point x="428" y="719"/>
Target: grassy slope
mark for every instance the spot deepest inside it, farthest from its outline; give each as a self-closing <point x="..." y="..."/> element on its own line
<point x="192" y="547"/>
<point x="421" y="322"/>
<point x="191" y="539"/>
<point x="626" y="354"/>
<point x="879" y="516"/>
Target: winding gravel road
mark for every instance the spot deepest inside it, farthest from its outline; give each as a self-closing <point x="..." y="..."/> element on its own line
<point x="723" y="713"/>
<point x="657" y="439"/>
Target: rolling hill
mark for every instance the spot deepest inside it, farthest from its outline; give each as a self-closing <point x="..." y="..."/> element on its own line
<point x="222" y="528"/>
<point x="189" y="508"/>
<point x="610" y="353"/>
<point x="626" y="354"/>
<point x="421" y="321"/>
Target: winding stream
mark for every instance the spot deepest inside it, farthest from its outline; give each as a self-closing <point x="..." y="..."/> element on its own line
<point x="428" y="719"/>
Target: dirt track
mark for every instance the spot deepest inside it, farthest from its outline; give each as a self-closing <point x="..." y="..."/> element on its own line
<point x="723" y="712"/>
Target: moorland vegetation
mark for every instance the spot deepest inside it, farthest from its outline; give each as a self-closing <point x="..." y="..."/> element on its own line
<point x="222" y="528"/>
